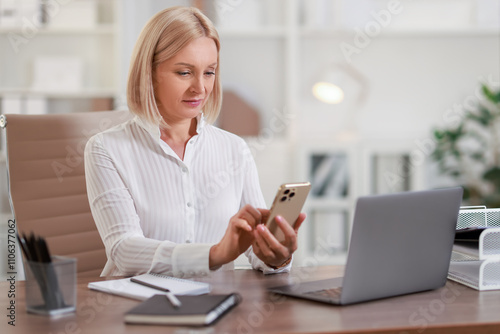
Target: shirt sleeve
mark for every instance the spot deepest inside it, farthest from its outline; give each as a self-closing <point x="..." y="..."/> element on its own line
<point x="252" y="194"/>
<point x="129" y="252"/>
<point x="258" y="264"/>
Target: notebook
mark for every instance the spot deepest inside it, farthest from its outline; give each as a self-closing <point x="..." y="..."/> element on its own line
<point x="470" y="235"/>
<point x="125" y="288"/>
<point x="400" y="244"/>
<point x="194" y="311"/>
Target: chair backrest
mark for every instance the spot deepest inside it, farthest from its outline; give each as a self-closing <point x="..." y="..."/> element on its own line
<point x="48" y="195"/>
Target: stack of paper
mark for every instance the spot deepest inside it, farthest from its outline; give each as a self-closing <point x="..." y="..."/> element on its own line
<point x="126" y="288"/>
<point x="476" y="258"/>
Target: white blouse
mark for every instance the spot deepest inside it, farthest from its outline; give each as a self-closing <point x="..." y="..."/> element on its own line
<point x="158" y="213"/>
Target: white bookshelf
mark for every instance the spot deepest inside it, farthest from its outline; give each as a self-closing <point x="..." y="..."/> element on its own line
<point x="95" y="44"/>
<point x="86" y="93"/>
<point x="99" y="29"/>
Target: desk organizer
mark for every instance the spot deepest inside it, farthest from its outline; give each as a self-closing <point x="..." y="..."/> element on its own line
<point x="478" y="266"/>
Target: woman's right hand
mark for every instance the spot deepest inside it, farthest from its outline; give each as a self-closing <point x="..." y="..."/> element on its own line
<point x="238" y="237"/>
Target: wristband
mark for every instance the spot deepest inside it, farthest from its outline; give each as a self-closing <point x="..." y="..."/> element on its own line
<point x="284" y="264"/>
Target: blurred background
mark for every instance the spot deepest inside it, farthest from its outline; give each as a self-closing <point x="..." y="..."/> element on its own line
<point x="358" y="97"/>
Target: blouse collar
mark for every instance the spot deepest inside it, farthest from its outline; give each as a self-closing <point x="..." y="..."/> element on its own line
<point x="154" y="130"/>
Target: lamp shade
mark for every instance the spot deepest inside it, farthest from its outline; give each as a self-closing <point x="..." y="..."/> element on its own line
<point x="328" y="92"/>
<point x="338" y="83"/>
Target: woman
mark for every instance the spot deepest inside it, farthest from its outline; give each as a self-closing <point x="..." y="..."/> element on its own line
<point x="169" y="192"/>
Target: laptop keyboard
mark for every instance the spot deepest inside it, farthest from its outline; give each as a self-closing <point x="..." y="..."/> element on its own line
<point x="332" y="294"/>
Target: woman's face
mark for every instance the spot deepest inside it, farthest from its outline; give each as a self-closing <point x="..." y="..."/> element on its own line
<point x="184" y="82"/>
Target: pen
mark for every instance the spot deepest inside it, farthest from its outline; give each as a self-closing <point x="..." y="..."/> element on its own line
<point x="170" y="296"/>
<point x="24" y="247"/>
<point x="37" y="253"/>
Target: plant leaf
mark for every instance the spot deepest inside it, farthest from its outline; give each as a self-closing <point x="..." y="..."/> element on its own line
<point x="493" y="97"/>
<point x="493" y="175"/>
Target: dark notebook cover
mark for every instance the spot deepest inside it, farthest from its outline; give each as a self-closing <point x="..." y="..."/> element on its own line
<point x="469" y="235"/>
<point x="194" y="311"/>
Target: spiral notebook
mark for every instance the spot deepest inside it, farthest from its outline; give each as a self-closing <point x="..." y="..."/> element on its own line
<point x="126" y="288"/>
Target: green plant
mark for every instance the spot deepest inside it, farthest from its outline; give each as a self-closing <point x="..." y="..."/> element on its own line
<point x="470" y="151"/>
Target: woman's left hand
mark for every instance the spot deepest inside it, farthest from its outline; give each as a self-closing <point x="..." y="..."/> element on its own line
<point x="268" y="248"/>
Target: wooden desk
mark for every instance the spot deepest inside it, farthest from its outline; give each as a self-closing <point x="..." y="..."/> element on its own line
<point x="452" y="309"/>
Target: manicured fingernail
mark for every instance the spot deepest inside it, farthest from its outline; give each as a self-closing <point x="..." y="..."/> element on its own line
<point x="261" y="227"/>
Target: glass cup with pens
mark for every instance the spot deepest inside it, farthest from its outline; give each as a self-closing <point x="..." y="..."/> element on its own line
<point x="50" y="280"/>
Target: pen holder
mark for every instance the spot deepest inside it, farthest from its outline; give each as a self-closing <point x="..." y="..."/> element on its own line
<point x="51" y="287"/>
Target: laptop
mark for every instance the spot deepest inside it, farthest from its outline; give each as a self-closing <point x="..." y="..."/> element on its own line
<point x="400" y="244"/>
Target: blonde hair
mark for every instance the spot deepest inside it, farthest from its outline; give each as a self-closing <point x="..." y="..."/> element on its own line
<point x="163" y="36"/>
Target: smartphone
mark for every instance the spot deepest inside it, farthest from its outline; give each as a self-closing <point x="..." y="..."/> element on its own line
<point x="287" y="203"/>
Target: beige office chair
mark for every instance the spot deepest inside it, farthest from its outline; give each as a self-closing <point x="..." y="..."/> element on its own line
<point x="47" y="187"/>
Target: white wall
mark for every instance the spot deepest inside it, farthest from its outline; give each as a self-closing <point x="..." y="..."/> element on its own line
<point x="412" y="81"/>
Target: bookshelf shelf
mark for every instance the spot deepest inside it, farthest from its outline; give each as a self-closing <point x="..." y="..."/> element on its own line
<point x="84" y="32"/>
<point x="102" y="29"/>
